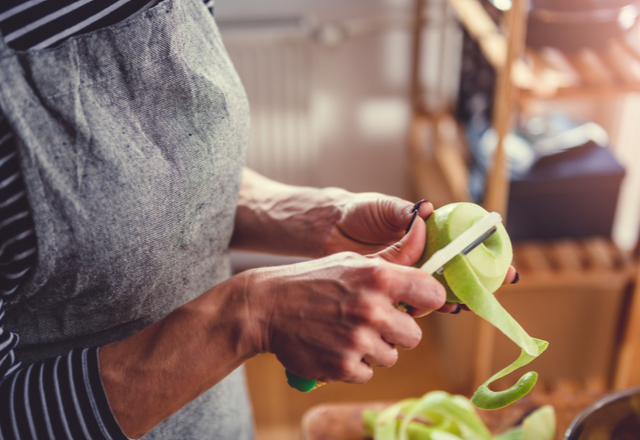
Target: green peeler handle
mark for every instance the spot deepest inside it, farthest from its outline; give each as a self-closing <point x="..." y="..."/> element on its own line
<point x="300" y="383"/>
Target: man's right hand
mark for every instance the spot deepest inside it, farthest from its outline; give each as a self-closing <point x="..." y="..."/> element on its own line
<point x="332" y="318"/>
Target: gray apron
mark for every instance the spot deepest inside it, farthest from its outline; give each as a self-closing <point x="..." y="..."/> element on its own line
<point x="131" y="141"/>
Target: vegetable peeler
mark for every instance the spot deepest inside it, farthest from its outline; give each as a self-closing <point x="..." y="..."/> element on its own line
<point x="462" y="244"/>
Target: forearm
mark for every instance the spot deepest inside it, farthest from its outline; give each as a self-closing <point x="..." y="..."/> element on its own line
<point x="284" y="219"/>
<point x="150" y="375"/>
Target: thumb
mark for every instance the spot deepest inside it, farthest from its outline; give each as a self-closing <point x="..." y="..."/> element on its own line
<point x="408" y="250"/>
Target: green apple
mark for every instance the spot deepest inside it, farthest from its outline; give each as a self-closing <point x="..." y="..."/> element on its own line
<point x="472" y="279"/>
<point x="484" y="268"/>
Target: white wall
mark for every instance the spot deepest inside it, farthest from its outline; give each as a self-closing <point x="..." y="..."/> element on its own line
<point x="358" y="92"/>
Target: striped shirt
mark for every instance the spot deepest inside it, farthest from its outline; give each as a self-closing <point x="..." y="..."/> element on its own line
<point x="60" y="397"/>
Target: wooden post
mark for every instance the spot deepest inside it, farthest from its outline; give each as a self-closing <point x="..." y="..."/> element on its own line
<point x="416" y="90"/>
<point x="627" y="368"/>
<point x="497" y="186"/>
<point x="505" y="97"/>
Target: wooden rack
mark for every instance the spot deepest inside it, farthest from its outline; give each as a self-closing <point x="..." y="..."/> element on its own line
<point x="523" y="74"/>
<point x="550" y="73"/>
<point x="593" y="262"/>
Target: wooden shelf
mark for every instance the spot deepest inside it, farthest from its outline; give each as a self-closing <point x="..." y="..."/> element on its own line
<point x="580" y="263"/>
<point x="550" y="73"/>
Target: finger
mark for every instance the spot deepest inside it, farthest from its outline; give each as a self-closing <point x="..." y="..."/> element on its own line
<point x="382" y="355"/>
<point x="411" y="220"/>
<point x="401" y="330"/>
<point x="450" y="308"/>
<point x="512" y="276"/>
<point x="397" y="213"/>
<point x="425" y="209"/>
<point x="409" y="249"/>
<point x="417" y="289"/>
<point x="360" y="372"/>
<point x="419" y="313"/>
<point x="417" y="210"/>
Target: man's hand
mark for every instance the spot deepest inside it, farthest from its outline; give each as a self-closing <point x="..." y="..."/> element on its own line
<point x="333" y="318"/>
<point x="312" y="222"/>
<point x="370" y="222"/>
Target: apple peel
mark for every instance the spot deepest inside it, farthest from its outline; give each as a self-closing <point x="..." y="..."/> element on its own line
<point x="439" y="415"/>
<point x="472" y="280"/>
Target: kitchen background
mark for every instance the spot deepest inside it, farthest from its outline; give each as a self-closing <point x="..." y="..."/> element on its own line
<point x="329" y="83"/>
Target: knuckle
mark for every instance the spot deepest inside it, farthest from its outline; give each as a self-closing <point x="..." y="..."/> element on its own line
<point x="381" y="277"/>
<point x="350" y="256"/>
<point x="373" y="273"/>
<point x="344" y="368"/>
<point x="370" y="314"/>
<point x="351" y="341"/>
<point x="359" y="341"/>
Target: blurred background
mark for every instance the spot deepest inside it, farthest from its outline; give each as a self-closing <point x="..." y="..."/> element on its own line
<point x="530" y="108"/>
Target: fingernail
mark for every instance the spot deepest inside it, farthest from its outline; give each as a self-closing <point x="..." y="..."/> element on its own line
<point x="414" y="210"/>
<point x="457" y="310"/>
<point x="516" y="279"/>
<point x="413" y="217"/>
<point x="416" y="206"/>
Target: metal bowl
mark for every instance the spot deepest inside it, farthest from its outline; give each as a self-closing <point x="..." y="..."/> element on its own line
<point x="615" y="417"/>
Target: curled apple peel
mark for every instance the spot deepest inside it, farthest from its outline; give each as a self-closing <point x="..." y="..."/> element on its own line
<point x="441" y="416"/>
<point x="472" y="279"/>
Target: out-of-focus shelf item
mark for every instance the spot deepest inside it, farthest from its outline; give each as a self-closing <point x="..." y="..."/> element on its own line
<point x="343" y="421"/>
<point x="571" y="193"/>
<point x="437" y="159"/>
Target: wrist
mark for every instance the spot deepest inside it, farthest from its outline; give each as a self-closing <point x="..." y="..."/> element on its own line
<point x="288" y="220"/>
<point x="155" y="372"/>
<point x="243" y="311"/>
<point x="258" y="301"/>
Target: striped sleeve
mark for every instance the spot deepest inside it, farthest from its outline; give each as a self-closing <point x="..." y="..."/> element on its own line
<point x="60" y="398"/>
<point x="36" y="24"/>
<point x="8" y="341"/>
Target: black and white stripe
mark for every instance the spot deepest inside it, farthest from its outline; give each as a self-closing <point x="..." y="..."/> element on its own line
<point x="18" y="248"/>
<point x="17" y="234"/>
<point x="60" y="398"/>
<point x="8" y="341"/>
<point x="37" y="24"/>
